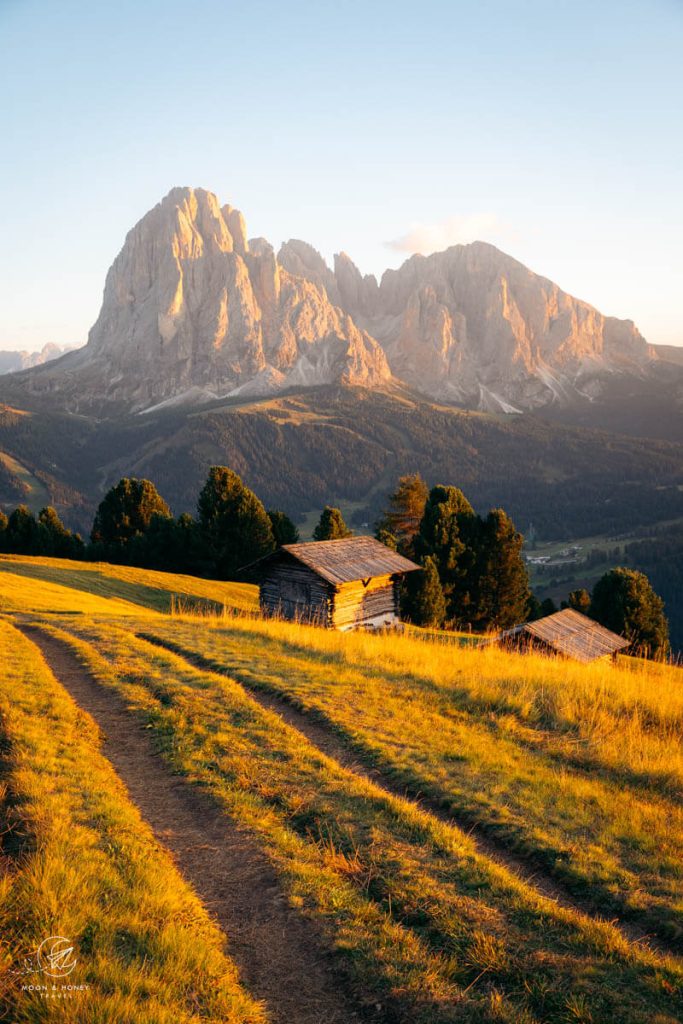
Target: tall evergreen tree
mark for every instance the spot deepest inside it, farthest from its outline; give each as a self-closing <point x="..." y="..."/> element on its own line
<point x="623" y="600"/>
<point x="284" y="530"/>
<point x="22" y="532"/>
<point x="539" y="609"/>
<point x="448" y="534"/>
<point x="126" y="511"/>
<point x="386" y="537"/>
<point x="401" y="520"/>
<point x="54" y="538"/>
<point x="501" y="591"/>
<point x="580" y="601"/>
<point x="162" y="546"/>
<point x="233" y="523"/>
<point x="331" y="525"/>
<point x="3" y="531"/>
<point x="425" y="603"/>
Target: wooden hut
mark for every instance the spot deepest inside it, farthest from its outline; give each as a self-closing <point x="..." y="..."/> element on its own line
<point x="341" y="584"/>
<point x="568" y="633"/>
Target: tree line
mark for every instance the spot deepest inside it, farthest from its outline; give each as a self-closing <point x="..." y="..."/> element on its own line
<point x="133" y="525"/>
<point x="473" y="572"/>
<point x="474" y="575"/>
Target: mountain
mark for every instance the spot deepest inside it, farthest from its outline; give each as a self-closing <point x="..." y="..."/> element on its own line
<point x="11" y="361"/>
<point x="475" y="327"/>
<point x="193" y="311"/>
<point x="667" y="353"/>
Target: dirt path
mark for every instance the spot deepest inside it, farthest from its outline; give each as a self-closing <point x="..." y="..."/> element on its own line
<point x="340" y="750"/>
<point x="282" y="958"/>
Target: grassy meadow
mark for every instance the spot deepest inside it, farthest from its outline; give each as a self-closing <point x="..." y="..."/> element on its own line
<point x="579" y="768"/>
<point x="576" y="770"/>
<point x="77" y="860"/>
<point x="34" y="584"/>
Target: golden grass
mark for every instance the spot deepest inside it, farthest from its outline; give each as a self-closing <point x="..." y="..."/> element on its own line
<point x="430" y="927"/>
<point x="62" y="585"/>
<point x="80" y="862"/>
<point x="631" y="713"/>
<point x="578" y="768"/>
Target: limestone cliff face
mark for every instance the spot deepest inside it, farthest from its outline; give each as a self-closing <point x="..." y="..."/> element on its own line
<point x="191" y="306"/>
<point x="474" y="326"/>
<point x="193" y="310"/>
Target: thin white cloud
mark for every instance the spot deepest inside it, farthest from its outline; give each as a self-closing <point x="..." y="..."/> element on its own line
<point x="456" y="230"/>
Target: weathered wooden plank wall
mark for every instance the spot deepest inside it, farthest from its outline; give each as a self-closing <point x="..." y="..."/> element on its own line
<point x="295" y="592"/>
<point x="356" y="603"/>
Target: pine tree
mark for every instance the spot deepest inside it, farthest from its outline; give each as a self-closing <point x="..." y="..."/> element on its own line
<point x="161" y="546"/>
<point x="3" y="531"/>
<point x="539" y="609"/>
<point x="53" y="537"/>
<point x="501" y="590"/>
<point x="400" y="522"/>
<point x="386" y="537"/>
<point x="233" y="523"/>
<point x="284" y="530"/>
<point x="448" y="534"/>
<point x="126" y="511"/>
<point x="22" y="532"/>
<point x="623" y="600"/>
<point x="580" y="601"/>
<point x="331" y="525"/>
<point x="425" y="601"/>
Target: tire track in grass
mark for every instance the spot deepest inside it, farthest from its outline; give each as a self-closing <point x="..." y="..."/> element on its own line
<point x="282" y="957"/>
<point x="334" y="745"/>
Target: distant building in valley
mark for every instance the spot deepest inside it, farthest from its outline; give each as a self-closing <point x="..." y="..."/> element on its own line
<point x="341" y="584"/>
<point x="568" y="633"/>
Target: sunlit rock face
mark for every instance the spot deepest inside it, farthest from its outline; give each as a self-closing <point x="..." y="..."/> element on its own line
<point x="474" y="326"/>
<point x="193" y="310"/>
<point x="190" y="305"/>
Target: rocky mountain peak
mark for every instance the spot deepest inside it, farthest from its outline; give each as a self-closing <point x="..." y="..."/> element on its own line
<point x="193" y="310"/>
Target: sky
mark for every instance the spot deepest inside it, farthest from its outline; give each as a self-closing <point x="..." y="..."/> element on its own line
<point x="551" y="129"/>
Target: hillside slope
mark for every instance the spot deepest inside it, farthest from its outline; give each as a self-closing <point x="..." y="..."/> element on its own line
<point x="348" y="446"/>
<point x="356" y="767"/>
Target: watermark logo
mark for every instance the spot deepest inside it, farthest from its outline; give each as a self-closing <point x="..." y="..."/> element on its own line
<point x="55" y="957"/>
<point x="51" y="963"/>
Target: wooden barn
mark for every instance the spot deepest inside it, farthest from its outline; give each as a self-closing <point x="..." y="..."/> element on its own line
<point x="341" y="584"/>
<point x="568" y="633"/>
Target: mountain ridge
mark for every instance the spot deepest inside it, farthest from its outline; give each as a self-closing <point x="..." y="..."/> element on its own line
<point x="12" y="360"/>
<point x="193" y="311"/>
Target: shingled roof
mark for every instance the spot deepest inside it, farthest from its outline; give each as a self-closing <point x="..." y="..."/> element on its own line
<point x="343" y="561"/>
<point x="572" y="634"/>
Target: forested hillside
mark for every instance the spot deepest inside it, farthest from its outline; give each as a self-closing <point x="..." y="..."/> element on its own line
<point x="347" y="446"/>
<point x="660" y="557"/>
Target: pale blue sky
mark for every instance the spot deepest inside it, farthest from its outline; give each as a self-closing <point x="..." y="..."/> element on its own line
<point x="552" y="129"/>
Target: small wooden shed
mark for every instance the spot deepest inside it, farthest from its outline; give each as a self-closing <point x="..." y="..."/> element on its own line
<point x="341" y="584"/>
<point x="568" y="633"/>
